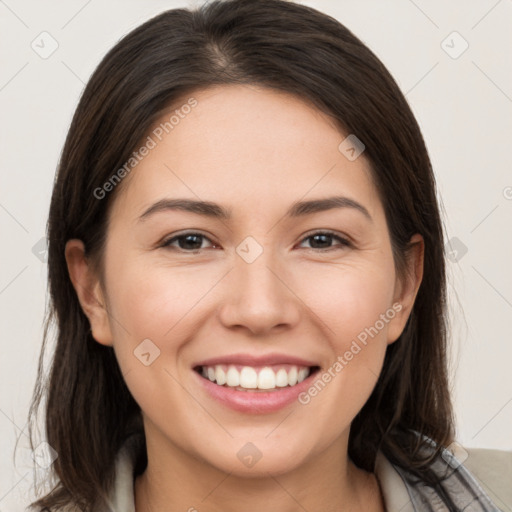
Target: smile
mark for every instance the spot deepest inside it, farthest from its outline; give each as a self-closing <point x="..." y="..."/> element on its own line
<point x="255" y="384"/>
<point x="259" y="378"/>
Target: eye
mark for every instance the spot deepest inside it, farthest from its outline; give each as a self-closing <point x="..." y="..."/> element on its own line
<point x="187" y="242"/>
<point x="322" y="240"/>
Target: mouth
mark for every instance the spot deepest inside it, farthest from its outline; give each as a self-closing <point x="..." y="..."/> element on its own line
<point x="268" y="378"/>
<point x="255" y="384"/>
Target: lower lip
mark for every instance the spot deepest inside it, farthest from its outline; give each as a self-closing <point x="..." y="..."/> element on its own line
<point x="259" y="402"/>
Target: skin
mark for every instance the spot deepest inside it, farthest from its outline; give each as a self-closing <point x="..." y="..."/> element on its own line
<point x="255" y="151"/>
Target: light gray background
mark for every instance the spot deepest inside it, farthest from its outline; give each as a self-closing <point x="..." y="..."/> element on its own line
<point x="464" y="108"/>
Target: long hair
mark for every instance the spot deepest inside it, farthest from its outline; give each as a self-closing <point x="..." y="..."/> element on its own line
<point x="287" y="47"/>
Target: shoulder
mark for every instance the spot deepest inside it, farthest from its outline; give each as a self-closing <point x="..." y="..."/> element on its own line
<point x="457" y="478"/>
<point x="492" y="469"/>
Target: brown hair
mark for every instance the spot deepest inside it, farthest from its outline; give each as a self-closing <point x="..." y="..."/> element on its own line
<point x="284" y="46"/>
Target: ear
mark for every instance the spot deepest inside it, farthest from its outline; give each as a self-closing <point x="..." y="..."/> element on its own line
<point x="89" y="292"/>
<point x="406" y="288"/>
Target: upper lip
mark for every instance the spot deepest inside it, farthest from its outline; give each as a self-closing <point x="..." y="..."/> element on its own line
<point x="253" y="360"/>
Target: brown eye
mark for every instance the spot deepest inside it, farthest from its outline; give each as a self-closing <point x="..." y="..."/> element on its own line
<point x="187" y="242"/>
<point x="323" y="239"/>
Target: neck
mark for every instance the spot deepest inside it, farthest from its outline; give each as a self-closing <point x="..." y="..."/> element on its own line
<point x="176" y="480"/>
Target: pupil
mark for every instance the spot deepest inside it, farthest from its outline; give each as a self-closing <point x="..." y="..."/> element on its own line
<point x="324" y="237"/>
<point x="185" y="242"/>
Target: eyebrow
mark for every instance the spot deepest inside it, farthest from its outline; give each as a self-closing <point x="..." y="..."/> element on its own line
<point x="216" y="211"/>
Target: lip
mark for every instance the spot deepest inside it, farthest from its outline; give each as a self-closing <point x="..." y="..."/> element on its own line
<point x="255" y="402"/>
<point x="254" y="360"/>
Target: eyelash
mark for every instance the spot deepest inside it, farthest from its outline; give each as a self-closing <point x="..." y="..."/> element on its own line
<point x="343" y="241"/>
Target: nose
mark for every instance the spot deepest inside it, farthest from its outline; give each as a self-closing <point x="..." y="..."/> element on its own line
<point x="258" y="298"/>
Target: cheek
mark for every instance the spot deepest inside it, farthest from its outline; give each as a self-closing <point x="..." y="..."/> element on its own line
<point x="355" y="309"/>
<point x="151" y="301"/>
<point x="348" y="299"/>
<point x="152" y="318"/>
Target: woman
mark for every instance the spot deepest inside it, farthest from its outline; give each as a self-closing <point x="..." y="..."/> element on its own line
<point x="247" y="274"/>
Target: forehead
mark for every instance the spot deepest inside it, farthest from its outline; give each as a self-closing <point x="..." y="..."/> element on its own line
<point x="245" y="145"/>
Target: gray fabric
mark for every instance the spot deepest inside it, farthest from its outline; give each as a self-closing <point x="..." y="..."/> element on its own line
<point x="457" y="490"/>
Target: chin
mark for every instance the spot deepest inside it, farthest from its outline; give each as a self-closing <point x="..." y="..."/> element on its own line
<point x="258" y="457"/>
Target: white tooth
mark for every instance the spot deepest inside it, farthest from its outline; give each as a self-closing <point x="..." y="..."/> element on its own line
<point x="281" y="378"/>
<point x="204" y="371"/>
<point x="220" y="375"/>
<point x="303" y="373"/>
<point x="233" y="377"/>
<point x="267" y="378"/>
<point x="248" y="378"/>
<point x="292" y="376"/>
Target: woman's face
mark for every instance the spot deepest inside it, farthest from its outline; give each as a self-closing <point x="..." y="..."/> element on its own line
<point x="253" y="295"/>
